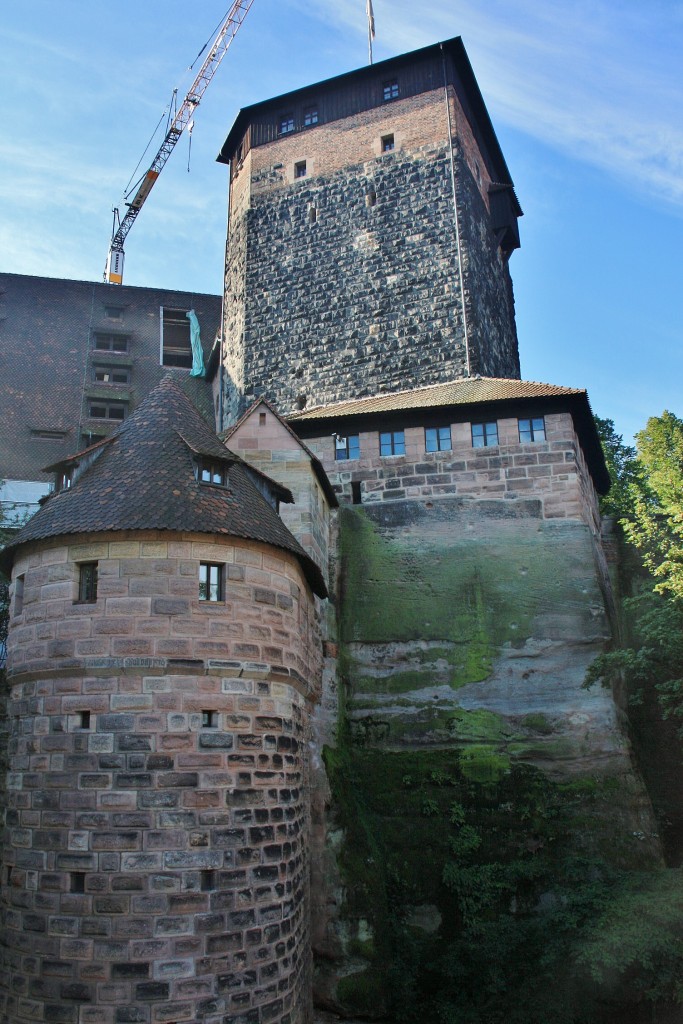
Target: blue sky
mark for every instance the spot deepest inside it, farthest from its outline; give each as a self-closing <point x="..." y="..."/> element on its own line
<point x="586" y="99"/>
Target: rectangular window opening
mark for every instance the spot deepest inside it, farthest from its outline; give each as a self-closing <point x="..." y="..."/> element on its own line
<point x="212" y="473"/>
<point x="19" y="594"/>
<point x="210" y="581"/>
<point x="87" y="582"/>
<point x="99" y="409"/>
<point x="207" y="881"/>
<point x="312" y="215"/>
<point x="392" y="443"/>
<point x="310" y="116"/>
<point x="111" y="343"/>
<point x="356" y="495"/>
<point x="111" y="375"/>
<point x="300" y="169"/>
<point x="285" y="124"/>
<point x="532" y="429"/>
<point x="484" y="435"/>
<point x="78" y="881"/>
<point x="390" y="90"/>
<point x="209" y="719"/>
<point x="49" y="435"/>
<point x="370" y="198"/>
<point x="346" y="447"/>
<point x="176" y="349"/>
<point x="113" y="312"/>
<point x="387" y="143"/>
<point x="84" y="720"/>
<point x="438" y="439"/>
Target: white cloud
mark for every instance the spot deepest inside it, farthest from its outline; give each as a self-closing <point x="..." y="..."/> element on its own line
<point x="599" y="81"/>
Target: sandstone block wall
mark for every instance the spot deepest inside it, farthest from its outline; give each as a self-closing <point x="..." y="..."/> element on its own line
<point x="155" y="863"/>
<point x="347" y="281"/>
<point x="553" y="471"/>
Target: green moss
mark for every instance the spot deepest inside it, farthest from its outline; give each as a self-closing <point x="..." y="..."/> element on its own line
<point x="363" y="992"/>
<point x="483" y="764"/>
<point x="538" y="722"/>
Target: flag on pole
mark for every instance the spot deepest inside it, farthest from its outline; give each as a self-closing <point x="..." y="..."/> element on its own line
<point x="371" y="18"/>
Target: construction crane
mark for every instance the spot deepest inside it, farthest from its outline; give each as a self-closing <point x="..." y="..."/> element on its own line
<point x="113" y="272"/>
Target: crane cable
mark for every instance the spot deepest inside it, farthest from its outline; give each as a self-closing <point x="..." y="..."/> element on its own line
<point x="169" y="112"/>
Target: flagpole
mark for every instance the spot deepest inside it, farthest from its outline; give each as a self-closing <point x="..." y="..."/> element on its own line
<point x="371" y="27"/>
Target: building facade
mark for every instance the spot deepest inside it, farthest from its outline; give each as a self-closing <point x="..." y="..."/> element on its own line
<point x="371" y="220"/>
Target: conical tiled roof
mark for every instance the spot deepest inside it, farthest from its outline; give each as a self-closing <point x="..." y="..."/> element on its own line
<point x="144" y="479"/>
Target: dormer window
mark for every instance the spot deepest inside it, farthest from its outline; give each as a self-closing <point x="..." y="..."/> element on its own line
<point x="64" y="480"/>
<point x="209" y="472"/>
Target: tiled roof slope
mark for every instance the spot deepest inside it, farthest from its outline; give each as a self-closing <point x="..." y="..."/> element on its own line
<point x="144" y="479"/>
<point x="465" y="391"/>
<point x="47" y="326"/>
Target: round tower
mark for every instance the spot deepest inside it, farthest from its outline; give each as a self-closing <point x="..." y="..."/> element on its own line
<point x="162" y="659"/>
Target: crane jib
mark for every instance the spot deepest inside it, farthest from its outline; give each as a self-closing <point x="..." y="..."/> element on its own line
<point x="114" y="270"/>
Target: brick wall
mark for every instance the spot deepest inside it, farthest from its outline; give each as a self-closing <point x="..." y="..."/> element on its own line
<point x="552" y="471"/>
<point x="155" y="863"/>
<point x="347" y="281"/>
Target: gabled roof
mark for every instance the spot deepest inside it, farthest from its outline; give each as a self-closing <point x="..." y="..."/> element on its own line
<point x="468" y="395"/>
<point x="316" y="464"/>
<point x="144" y="479"/>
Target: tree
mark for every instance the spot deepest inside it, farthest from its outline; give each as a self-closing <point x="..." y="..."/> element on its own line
<point x="654" y="523"/>
<point x="624" y="469"/>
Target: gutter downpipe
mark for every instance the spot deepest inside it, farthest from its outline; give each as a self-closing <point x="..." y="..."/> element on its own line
<point x="456" y="219"/>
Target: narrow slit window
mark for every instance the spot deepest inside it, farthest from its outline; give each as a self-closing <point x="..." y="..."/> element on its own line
<point x="19" y="594"/>
<point x="356" y="493"/>
<point x="84" y="720"/>
<point x="312" y="215"/>
<point x="210" y="581"/>
<point x="78" y="881"/>
<point x="87" y="583"/>
<point x="261" y="419"/>
<point x="370" y="198"/>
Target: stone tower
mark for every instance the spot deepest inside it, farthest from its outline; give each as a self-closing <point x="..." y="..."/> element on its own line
<point x="161" y="667"/>
<point x="370" y="224"/>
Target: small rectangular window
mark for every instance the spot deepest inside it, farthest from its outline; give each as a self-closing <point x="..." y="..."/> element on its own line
<point x="49" y="435"/>
<point x="310" y="116"/>
<point x="285" y="124"/>
<point x="210" y="581"/>
<point x="484" y="435"/>
<point x="300" y="169"/>
<point x="437" y="439"/>
<point x="102" y="410"/>
<point x="213" y="473"/>
<point x="19" y="594"/>
<point x="532" y="430"/>
<point x="392" y="443"/>
<point x="111" y="375"/>
<point x="209" y="719"/>
<point x="63" y="480"/>
<point x="387" y="143"/>
<point x="78" y="881"/>
<point x="84" y="720"/>
<point x="111" y="343"/>
<point x="176" y="348"/>
<point x="390" y="90"/>
<point x="87" y="582"/>
<point x="346" y="447"/>
<point x="113" y="312"/>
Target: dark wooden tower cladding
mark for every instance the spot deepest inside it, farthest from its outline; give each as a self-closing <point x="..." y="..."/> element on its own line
<point x="371" y="220"/>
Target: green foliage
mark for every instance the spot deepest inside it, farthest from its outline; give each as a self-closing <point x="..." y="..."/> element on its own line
<point x="654" y="660"/>
<point x="624" y="469"/>
<point x="654" y="522"/>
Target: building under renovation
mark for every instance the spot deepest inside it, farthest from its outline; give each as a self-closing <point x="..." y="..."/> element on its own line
<point x="362" y="541"/>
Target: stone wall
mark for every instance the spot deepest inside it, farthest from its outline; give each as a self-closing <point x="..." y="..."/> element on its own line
<point x="352" y="283"/>
<point x="155" y="856"/>
<point x="552" y="472"/>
